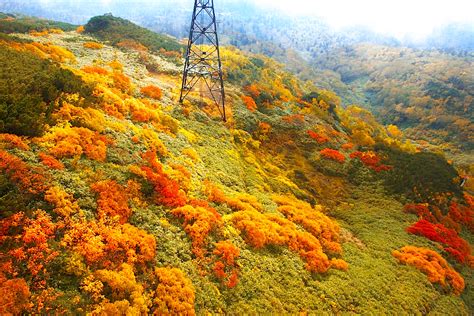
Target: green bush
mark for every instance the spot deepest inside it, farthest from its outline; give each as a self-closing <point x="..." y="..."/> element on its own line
<point x="115" y="30"/>
<point x="29" y="87"/>
<point x="419" y="176"/>
<point x="24" y="24"/>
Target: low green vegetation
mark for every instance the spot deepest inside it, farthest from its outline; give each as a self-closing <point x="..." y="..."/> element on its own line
<point x="116" y="30"/>
<point x="28" y="88"/>
<point x="11" y="23"/>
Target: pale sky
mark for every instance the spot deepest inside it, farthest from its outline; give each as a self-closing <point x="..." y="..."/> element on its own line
<point x="398" y="18"/>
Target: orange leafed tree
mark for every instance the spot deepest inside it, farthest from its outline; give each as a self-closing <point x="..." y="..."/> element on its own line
<point x="112" y="200"/>
<point x="93" y="45"/>
<point x="14" y="296"/>
<point x="152" y="92"/>
<point x="174" y="294"/>
<point x="249" y="103"/>
<point x="106" y="245"/>
<point x="332" y="154"/>
<point x="261" y="230"/>
<point x="30" y="179"/>
<point x="50" y="161"/>
<point x="167" y="190"/>
<point x="199" y="220"/>
<point x="226" y="253"/>
<point x="433" y="265"/>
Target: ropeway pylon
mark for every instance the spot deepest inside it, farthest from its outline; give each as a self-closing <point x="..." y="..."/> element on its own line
<point x="203" y="61"/>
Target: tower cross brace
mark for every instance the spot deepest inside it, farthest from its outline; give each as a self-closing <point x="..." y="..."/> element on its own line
<point x="203" y="60"/>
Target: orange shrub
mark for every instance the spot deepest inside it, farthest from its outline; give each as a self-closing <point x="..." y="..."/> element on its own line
<point x="433" y="265"/>
<point x="93" y="45"/>
<point x="227" y="253"/>
<point x="249" y="103"/>
<point x="332" y="154"/>
<point x="75" y="141"/>
<point x="347" y="146"/>
<point x="122" y="82"/>
<point x="152" y="92"/>
<point x="13" y="141"/>
<point x="112" y="201"/>
<point x="109" y="245"/>
<point x="28" y="240"/>
<point x="240" y="203"/>
<point x="313" y="220"/>
<point x="167" y="191"/>
<point x="124" y="286"/>
<point x="199" y="220"/>
<point x="116" y="65"/>
<point x="131" y="44"/>
<point x="270" y="229"/>
<point x="253" y="89"/>
<point x="64" y="203"/>
<point x="321" y="139"/>
<point x="51" y="162"/>
<point x="14" y="296"/>
<point x="80" y="29"/>
<point x="174" y="294"/>
<point x="95" y="70"/>
<point x="27" y="178"/>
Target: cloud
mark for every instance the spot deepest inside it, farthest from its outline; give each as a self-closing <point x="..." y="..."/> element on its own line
<point x="399" y="18"/>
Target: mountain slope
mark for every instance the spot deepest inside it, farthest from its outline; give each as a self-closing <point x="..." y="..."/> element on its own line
<point x="132" y="203"/>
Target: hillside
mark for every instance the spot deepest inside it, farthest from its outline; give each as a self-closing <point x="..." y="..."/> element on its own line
<point x="427" y="93"/>
<point x="116" y="199"/>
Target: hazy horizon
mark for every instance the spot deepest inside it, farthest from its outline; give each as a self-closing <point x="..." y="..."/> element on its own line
<point x="401" y="19"/>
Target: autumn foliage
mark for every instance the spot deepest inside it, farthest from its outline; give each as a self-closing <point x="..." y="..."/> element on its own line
<point x="371" y="160"/>
<point x="107" y="245"/>
<point x="50" y="161"/>
<point x="112" y="201"/>
<point x="14" y="296"/>
<point x="167" y="191"/>
<point x="225" y="267"/>
<point x="454" y="245"/>
<point x="29" y="239"/>
<point x="128" y="296"/>
<point x="13" y="141"/>
<point x="152" y="91"/>
<point x="93" y="45"/>
<point x="433" y="265"/>
<point x="75" y="141"/>
<point x="261" y="230"/>
<point x="29" y="179"/>
<point x="321" y="139"/>
<point x="199" y="220"/>
<point x="332" y="154"/>
<point x="174" y="294"/>
<point x="249" y="103"/>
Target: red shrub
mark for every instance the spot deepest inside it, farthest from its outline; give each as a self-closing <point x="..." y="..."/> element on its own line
<point x="332" y="154"/>
<point x="321" y="139"/>
<point x="371" y="160"/>
<point x="167" y="190"/>
<point x="27" y="178"/>
<point x="455" y="245"/>
<point x="51" y="162"/>
<point x="249" y="103"/>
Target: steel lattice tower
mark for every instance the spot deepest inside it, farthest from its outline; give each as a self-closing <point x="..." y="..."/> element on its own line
<point x="203" y="61"/>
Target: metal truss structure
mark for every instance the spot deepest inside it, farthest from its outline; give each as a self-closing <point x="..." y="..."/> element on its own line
<point x="203" y="61"/>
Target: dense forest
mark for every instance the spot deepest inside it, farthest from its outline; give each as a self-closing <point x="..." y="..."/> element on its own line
<point x="118" y="200"/>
